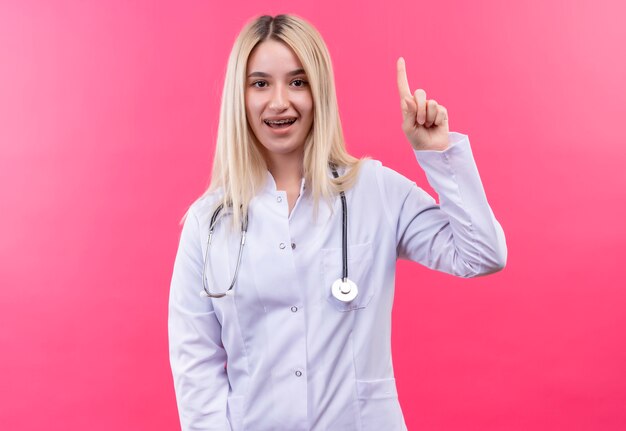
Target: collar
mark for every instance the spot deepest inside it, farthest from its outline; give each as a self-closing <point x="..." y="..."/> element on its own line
<point x="270" y="185"/>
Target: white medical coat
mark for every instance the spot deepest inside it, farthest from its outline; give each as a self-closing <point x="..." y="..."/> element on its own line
<point x="297" y="358"/>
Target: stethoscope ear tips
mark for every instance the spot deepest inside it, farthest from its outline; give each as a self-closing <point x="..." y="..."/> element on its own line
<point x="344" y="291"/>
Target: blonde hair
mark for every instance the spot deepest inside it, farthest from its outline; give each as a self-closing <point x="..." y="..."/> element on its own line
<point x="239" y="168"/>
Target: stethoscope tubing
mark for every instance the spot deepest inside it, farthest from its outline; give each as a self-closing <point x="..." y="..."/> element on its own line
<point x="244" y="230"/>
<point x="344" y="231"/>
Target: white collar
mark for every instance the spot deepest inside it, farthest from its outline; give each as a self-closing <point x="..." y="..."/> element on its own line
<point x="270" y="184"/>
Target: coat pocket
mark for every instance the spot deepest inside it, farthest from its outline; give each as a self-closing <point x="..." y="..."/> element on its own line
<point x="235" y="412"/>
<point x="360" y="259"/>
<point x="378" y="405"/>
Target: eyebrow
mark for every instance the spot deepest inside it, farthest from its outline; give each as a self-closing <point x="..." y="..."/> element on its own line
<point x="267" y="75"/>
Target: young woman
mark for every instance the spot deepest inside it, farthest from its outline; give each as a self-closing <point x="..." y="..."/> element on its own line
<point x="282" y="289"/>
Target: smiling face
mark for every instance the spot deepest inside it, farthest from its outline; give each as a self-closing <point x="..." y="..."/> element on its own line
<point x="279" y="104"/>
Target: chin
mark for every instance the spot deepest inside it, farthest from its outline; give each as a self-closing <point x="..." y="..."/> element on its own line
<point x="278" y="149"/>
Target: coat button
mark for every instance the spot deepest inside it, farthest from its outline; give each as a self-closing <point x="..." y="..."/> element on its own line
<point x="293" y="245"/>
<point x="279" y="199"/>
<point x="294" y="308"/>
<point x="281" y="245"/>
<point x="298" y="373"/>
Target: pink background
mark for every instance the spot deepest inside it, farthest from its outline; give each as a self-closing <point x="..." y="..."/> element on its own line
<point x="108" y="112"/>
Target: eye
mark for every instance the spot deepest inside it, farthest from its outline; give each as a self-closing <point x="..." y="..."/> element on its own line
<point x="299" y="82"/>
<point x="259" y="84"/>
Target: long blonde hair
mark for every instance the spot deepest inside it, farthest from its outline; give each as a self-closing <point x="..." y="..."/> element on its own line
<point x="239" y="168"/>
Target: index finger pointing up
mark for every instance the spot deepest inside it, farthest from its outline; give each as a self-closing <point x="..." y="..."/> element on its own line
<point x="403" y="81"/>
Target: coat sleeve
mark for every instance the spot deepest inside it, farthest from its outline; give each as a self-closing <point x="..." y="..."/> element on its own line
<point x="197" y="356"/>
<point x="460" y="235"/>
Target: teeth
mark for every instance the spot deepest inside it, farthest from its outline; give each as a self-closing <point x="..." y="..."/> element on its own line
<point x="280" y="121"/>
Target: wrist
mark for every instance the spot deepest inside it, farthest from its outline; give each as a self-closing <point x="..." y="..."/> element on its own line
<point x="431" y="148"/>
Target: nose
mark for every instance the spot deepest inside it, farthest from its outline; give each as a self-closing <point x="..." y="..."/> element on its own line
<point x="279" y="101"/>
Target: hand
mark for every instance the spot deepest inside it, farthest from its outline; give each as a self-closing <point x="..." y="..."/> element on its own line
<point x="425" y="122"/>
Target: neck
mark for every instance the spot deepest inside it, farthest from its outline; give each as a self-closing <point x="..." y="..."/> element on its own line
<point x="286" y="169"/>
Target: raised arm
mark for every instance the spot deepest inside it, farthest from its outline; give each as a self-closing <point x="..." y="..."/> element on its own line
<point x="460" y="235"/>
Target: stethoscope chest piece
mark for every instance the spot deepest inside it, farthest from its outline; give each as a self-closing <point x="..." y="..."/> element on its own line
<point x="345" y="291"/>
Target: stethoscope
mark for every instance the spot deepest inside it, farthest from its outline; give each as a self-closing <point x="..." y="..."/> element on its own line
<point x="344" y="289"/>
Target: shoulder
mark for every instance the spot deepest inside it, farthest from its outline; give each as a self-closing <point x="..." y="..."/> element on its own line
<point x="373" y="172"/>
<point x="203" y="207"/>
<point x="380" y="190"/>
